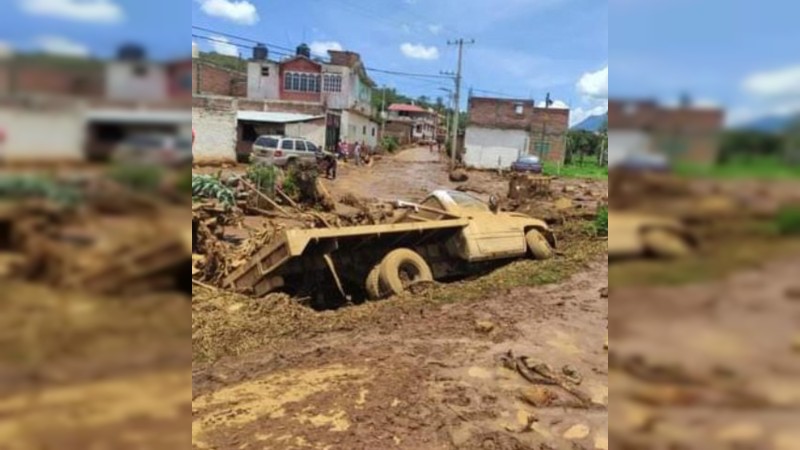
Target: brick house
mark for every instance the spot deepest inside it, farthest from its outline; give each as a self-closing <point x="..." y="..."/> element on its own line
<point x="683" y="133"/>
<point x="211" y="79"/>
<point x="501" y="130"/>
<point x="179" y="79"/>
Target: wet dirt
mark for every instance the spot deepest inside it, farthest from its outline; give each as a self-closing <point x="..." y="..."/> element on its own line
<point x="708" y="365"/>
<point x="431" y="380"/>
<point x="424" y="371"/>
<point x="79" y="371"/>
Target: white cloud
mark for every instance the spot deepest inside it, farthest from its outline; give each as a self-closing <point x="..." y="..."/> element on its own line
<point x="435" y="28"/>
<point x="57" y="45"/>
<point x="594" y="84"/>
<point x="241" y="12"/>
<point x="776" y="83"/>
<point x="557" y="104"/>
<point x="223" y="46"/>
<point x="97" y="11"/>
<point x="580" y="114"/>
<point x="320" y="48"/>
<point x="419" y="51"/>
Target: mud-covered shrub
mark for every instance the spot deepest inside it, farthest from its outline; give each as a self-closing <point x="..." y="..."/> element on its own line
<point x="788" y="221"/>
<point x="210" y="187"/>
<point x="390" y="144"/>
<point x="138" y="177"/>
<point x="21" y="187"/>
<point x="601" y="221"/>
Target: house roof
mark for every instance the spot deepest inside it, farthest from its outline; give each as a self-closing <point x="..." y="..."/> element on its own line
<point x="274" y="117"/>
<point x="398" y="107"/>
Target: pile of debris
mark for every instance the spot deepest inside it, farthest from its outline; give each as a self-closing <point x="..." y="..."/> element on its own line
<point x="538" y="196"/>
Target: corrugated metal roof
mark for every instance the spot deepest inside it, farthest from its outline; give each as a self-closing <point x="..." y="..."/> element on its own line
<point x="274" y="117"/>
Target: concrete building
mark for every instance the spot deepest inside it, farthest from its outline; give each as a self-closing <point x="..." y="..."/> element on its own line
<point x="501" y="130"/>
<point x="682" y="133"/>
<point x="424" y="122"/>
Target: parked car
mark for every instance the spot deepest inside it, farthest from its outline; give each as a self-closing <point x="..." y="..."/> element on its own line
<point x="154" y="148"/>
<point x="283" y="151"/>
<point x="645" y="162"/>
<point x="527" y="163"/>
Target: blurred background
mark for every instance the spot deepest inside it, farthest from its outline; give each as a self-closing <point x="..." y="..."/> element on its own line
<point x="704" y="243"/>
<point x="95" y="175"/>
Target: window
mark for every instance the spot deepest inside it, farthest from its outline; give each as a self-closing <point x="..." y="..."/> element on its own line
<point x="311" y="147"/>
<point x="301" y="82"/>
<point x="264" y="71"/>
<point x="364" y="132"/>
<point x="288" y="144"/>
<point x="300" y="145"/>
<point x="518" y="109"/>
<point x="287" y="81"/>
<point x="304" y="82"/>
<point x="267" y="142"/>
<point x="332" y="82"/>
<point x="296" y="82"/>
<point x="373" y="131"/>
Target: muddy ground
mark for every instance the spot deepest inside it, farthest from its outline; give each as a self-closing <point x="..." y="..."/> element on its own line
<point x="430" y="370"/>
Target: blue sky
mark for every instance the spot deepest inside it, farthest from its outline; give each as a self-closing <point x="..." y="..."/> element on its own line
<point x="523" y="48"/>
<point x="744" y="56"/>
<point x="95" y="27"/>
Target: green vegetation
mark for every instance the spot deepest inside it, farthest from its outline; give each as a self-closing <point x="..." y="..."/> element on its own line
<point x="601" y="222"/>
<point x="788" y="221"/>
<point x="390" y="144"/>
<point x="577" y="171"/>
<point x="263" y="177"/>
<point x="224" y="61"/>
<point x="138" y="177"/>
<point x="210" y="186"/>
<point x="184" y="183"/>
<point x="290" y="185"/>
<point x="757" y="167"/>
<point x="36" y="187"/>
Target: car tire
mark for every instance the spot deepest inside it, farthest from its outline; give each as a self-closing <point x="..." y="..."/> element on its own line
<point x="665" y="244"/>
<point x="538" y="246"/>
<point x="402" y="268"/>
<point x="373" y="283"/>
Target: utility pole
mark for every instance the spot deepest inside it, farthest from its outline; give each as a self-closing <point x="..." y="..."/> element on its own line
<point x="383" y="113"/>
<point x="457" y="115"/>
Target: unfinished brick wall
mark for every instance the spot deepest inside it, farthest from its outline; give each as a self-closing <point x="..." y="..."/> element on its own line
<point x="43" y="79"/>
<point x="209" y="79"/>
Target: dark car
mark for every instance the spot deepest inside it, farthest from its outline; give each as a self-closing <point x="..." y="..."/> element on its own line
<point x="527" y="164"/>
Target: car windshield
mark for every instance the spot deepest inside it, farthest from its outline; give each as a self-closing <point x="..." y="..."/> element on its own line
<point x="529" y="160"/>
<point x="467" y="201"/>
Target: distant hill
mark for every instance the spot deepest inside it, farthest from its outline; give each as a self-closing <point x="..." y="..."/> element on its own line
<point x="770" y="124"/>
<point x="592" y="123"/>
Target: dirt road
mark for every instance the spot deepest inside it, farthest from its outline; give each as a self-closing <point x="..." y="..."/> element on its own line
<point x="421" y="377"/>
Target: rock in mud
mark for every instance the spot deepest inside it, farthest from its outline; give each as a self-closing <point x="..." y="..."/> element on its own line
<point x="484" y="326"/>
<point x="458" y="176"/>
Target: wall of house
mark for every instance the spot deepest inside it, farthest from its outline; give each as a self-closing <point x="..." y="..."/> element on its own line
<point x="208" y="79"/>
<point x="313" y="130"/>
<point x="260" y="86"/>
<point x="339" y="100"/>
<point x="215" y="129"/>
<point x="354" y="127"/>
<point x="36" y="79"/>
<point x="139" y="81"/>
<point x="622" y="143"/>
<point x="41" y="135"/>
<point x="180" y="76"/>
<point x="299" y="65"/>
<point x="399" y="130"/>
<point x="487" y="148"/>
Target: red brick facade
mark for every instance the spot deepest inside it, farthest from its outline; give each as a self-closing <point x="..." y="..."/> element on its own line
<point x="178" y="75"/>
<point x="30" y="78"/>
<point x="299" y="64"/>
<point x="544" y="125"/>
<point x="682" y="132"/>
<point x="210" y="79"/>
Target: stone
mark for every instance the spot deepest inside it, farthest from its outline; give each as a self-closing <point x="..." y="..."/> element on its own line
<point x="459" y="176"/>
<point x="577" y="432"/>
<point x="484" y="326"/>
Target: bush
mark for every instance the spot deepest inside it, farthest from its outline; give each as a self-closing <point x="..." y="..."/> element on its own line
<point x="788" y="221"/>
<point x="210" y="187"/>
<point x="138" y="177"/>
<point x="390" y="144"/>
<point x="263" y="177"/>
<point x="184" y="183"/>
<point x="601" y="222"/>
<point x="34" y="187"/>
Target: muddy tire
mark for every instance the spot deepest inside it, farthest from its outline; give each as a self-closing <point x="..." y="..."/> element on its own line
<point x="402" y="268"/>
<point x="665" y="244"/>
<point x="373" y="283"/>
<point x="538" y="245"/>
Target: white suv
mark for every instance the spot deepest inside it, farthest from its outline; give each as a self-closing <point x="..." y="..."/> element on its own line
<point x="284" y="151"/>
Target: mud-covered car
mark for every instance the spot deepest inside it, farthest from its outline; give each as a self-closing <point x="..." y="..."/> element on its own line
<point x="633" y="235"/>
<point x="448" y="235"/>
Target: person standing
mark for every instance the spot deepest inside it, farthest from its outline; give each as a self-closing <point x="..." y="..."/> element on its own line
<point x="357" y="153"/>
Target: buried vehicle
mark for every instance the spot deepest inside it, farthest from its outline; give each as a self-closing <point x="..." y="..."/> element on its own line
<point x="633" y="234"/>
<point x="449" y="234"/>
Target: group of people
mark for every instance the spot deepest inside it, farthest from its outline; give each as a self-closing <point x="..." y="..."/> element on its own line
<point x="344" y="151"/>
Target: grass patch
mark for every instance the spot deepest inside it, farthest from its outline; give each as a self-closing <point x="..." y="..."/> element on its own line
<point x="787" y="221"/>
<point x="577" y="171"/>
<point x="601" y="222"/>
<point x="742" y="169"/>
